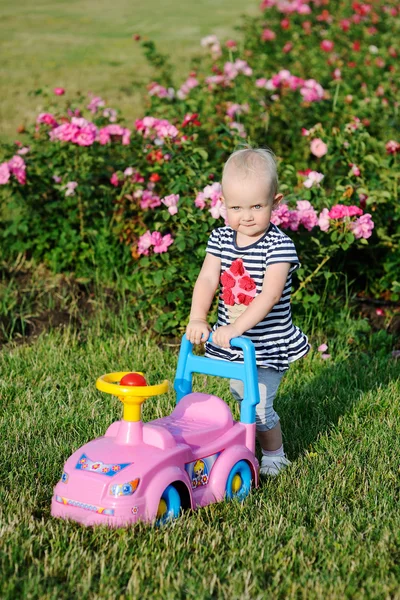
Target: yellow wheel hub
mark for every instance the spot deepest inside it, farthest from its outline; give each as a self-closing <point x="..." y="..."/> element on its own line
<point x="236" y="484"/>
<point x="162" y="509"/>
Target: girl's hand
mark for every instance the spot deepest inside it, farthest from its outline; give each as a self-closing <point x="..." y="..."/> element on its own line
<point x="197" y="331"/>
<point x="223" y="335"/>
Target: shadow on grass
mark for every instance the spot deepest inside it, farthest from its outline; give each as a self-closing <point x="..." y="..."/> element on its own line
<point x="310" y="408"/>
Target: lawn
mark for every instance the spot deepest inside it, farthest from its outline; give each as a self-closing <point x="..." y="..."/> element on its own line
<point x="87" y="46"/>
<point x="326" y="528"/>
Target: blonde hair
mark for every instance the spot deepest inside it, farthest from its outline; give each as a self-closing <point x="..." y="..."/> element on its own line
<point x="248" y="160"/>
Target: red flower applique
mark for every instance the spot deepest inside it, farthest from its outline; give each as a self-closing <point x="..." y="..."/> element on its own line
<point x="237" y="267"/>
<point x="227" y="280"/>
<point x="244" y="299"/>
<point x="247" y="283"/>
<point x="228" y="297"/>
<point x="235" y="281"/>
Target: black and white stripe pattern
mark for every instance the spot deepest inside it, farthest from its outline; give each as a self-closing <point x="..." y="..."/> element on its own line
<point x="277" y="341"/>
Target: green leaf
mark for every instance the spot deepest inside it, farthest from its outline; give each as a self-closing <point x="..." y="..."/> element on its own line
<point x="203" y="153"/>
<point x="180" y="244"/>
<point x="157" y="277"/>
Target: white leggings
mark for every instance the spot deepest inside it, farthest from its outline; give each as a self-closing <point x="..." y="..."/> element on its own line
<point x="268" y="383"/>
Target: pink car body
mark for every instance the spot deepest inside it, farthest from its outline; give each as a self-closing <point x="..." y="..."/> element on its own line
<point x="195" y="453"/>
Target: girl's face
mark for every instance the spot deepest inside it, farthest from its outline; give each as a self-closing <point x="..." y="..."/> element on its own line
<point x="248" y="204"/>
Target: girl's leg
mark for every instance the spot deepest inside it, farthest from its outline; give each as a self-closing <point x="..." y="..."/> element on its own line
<point x="268" y="426"/>
<point x="269" y="432"/>
<point x="267" y="420"/>
<point x="271" y="439"/>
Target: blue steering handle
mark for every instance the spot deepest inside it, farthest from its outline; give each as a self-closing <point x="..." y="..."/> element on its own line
<point x="189" y="363"/>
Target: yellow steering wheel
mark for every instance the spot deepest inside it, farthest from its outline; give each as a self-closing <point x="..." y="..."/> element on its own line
<point x="131" y="396"/>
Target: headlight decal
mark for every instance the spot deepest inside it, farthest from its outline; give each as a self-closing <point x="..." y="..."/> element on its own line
<point x="124" y="489"/>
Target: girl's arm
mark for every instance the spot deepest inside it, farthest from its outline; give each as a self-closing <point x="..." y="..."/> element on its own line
<point x="274" y="282"/>
<point x="207" y="282"/>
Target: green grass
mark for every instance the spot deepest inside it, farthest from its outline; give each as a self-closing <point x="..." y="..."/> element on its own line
<point x="329" y="527"/>
<point x="87" y="45"/>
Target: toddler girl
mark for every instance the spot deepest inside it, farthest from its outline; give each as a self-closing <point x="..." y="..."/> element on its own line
<point x="253" y="262"/>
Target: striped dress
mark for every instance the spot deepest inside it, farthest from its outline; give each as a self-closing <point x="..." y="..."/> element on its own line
<point x="277" y="341"/>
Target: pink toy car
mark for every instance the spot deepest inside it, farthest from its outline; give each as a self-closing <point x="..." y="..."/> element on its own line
<point x="151" y="471"/>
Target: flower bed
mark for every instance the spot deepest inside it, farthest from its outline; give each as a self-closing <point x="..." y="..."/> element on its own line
<point x="86" y="192"/>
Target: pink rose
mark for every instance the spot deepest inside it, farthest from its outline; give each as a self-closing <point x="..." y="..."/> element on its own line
<point x="392" y="147"/>
<point x="326" y="45"/>
<point x="268" y="35"/>
<point x="362" y="227"/>
<point x="65" y="132"/>
<point x="16" y="163"/>
<point x="149" y="200"/>
<point x="95" y="103"/>
<point x="70" y="187"/>
<point x="260" y="83"/>
<point x="4" y="173"/>
<point x="318" y="147"/>
<point x="294" y="220"/>
<point x="307" y="215"/>
<point x="126" y="137"/>
<point x="339" y="211"/>
<point x="161" y="244"/>
<point x="313" y="177"/>
<point x="20" y="175"/>
<point x="323" y="220"/>
<point x="59" y="91"/>
<point x="355" y="170"/>
<point x="171" y="202"/>
<point x="18" y="168"/>
<point x="281" y="216"/>
<point x="47" y="119"/>
<point x="23" y="151"/>
<point x="218" y="209"/>
<point x="345" y="24"/>
<point x="85" y="136"/>
<point x="230" y="44"/>
<point x="145" y="242"/>
<point x="114" y="180"/>
<point x="200" y="201"/>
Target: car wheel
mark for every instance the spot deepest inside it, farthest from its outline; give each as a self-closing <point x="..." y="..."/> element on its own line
<point x="169" y="506"/>
<point x="238" y="484"/>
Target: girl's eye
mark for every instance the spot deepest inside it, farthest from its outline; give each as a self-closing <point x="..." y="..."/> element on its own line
<point x="235" y="207"/>
<point x="257" y="206"/>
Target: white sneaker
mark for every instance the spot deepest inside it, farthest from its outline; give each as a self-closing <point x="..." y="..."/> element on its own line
<point x="273" y="465"/>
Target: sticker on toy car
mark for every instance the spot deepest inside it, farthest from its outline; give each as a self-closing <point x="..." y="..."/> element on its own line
<point x="97" y="466"/>
<point x="199" y="470"/>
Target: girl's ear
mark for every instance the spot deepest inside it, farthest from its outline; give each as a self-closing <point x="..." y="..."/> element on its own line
<point x="277" y="200"/>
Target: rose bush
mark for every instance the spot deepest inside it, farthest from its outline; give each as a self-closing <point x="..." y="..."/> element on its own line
<point x="314" y="81"/>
